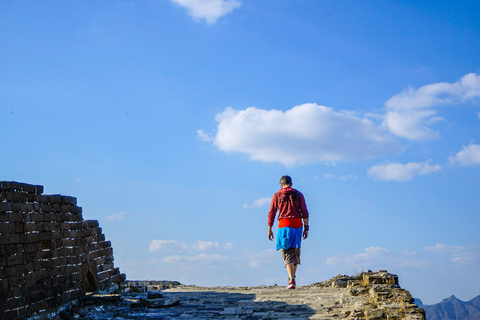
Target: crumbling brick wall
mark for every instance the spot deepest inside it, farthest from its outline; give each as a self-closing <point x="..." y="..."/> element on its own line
<point x="49" y="255"/>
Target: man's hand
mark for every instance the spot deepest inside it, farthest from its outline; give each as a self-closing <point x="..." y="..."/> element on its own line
<point x="305" y="234"/>
<point x="270" y="234"/>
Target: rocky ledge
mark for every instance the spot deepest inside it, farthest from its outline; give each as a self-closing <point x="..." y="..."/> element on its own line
<point x="371" y="295"/>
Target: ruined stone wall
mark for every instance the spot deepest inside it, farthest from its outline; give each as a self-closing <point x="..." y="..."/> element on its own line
<point x="49" y="255"/>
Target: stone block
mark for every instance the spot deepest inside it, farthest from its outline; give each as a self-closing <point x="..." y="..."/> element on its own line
<point x="20" y="197"/>
<point x="15" y="217"/>
<point x="75" y="209"/>
<point x="3" y="262"/>
<point x="13" y="249"/>
<point x="7" y="228"/>
<point x="36" y="217"/>
<point x="71" y="201"/>
<point x="38" y="189"/>
<point x="5" y="207"/>
<point x="16" y="281"/>
<point x="54" y="198"/>
<point x="46" y="208"/>
<point x="33" y="227"/>
<point x="12" y="238"/>
<point x="14" y="260"/>
<point x="42" y="199"/>
<point x="26" y="207"/>
<point x="8" y="272"/>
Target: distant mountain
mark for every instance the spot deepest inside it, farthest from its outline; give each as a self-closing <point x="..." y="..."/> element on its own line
<point x="452" y="309"/>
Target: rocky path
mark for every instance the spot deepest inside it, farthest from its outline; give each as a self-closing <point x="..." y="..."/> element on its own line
<point x="376" y="296"/>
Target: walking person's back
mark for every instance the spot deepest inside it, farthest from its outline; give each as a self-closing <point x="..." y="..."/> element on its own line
<point x="292" y="225"/>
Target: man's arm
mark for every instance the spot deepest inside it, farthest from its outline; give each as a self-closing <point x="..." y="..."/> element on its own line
<point x="305" y="231"/>
<point x="270" y="234"/>
<point x="271" y="216"/>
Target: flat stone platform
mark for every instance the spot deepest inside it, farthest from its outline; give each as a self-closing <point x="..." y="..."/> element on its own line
<point x="262" y="302"/>
<point x="372" y="296"/>
<point x="274" y="302"/>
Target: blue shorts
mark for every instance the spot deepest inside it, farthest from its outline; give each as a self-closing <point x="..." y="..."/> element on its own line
<point x="288" y="237"/>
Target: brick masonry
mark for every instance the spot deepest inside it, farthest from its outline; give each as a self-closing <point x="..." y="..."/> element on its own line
<point x="49" y="255"/>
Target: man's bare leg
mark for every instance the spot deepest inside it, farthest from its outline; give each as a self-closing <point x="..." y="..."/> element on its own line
<point x="292" y="269"/>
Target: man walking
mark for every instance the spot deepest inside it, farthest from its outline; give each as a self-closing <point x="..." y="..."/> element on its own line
<point x="292" y="211"/>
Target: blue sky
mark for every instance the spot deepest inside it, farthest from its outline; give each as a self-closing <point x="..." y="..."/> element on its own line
<point x="172" y="121"/>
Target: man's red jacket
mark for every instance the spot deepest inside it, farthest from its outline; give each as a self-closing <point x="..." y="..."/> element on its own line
<point x="290" y="203"/>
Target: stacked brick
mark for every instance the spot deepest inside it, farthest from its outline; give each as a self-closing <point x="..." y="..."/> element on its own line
<point x="49" y="255"/>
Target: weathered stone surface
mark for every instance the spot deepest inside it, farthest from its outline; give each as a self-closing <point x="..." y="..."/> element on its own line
<point x="160" y="303"/>
<point x="154" y="294"/>
<point x="262" y="302"/>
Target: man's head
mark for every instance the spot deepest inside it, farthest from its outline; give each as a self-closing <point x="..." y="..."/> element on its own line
<point x="286" y="181"/>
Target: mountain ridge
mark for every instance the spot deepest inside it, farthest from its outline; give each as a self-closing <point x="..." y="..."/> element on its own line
<point x="452" y="308"/>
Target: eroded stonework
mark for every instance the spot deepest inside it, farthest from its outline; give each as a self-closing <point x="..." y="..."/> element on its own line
<point x="49" y="255"/>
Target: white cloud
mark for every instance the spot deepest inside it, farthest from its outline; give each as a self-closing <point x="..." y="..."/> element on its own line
<point x="304" y="134"/>
<point x="478" y="115"/>
<point x="166" y="245"/>
<point x="258" y="203"/>
<point x="174" y="245"/>
<point x="204" y="136"/>
<point x="377" y="258"/>
<point x="401" y="172"/>
<point x="260" y="259"/>
<point x="348" y="177"/>
<point x="202" y="258"/>
<point x="208" y="10"/>
<point x="411" y="112"/>
<point x="458" y="254"/>
<point x="208" y="245"/>
<point x="328" y="176"/>
<point x="115" y="217"/>
<point x="469" y="155"/>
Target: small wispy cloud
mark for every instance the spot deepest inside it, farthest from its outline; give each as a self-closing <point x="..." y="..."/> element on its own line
<point x="205" y="137"/>
<point x="401" y="172"/>
<point x="348" y="177"/>
<point x="260" y="259"/>
<point x="166" y="245"/>
<point x="208" y="245"/>
<point x="458" y="254"/>
<point x="115" y="217"/>
<point x="258" y="203"/>
<point x="180" y="246"/>
<point x="468" y="156"/>
<point x="208" y="10"/>
<point x="377" y="257"/>
<point x="201" y="258"/>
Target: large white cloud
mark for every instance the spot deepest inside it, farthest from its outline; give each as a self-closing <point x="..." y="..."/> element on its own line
<point x="208" y="10"/>
<point x="304" y="134"/>
<point x="469" y="155"/>
<point x="411" y="112"/>
<point x="402" y="172"/>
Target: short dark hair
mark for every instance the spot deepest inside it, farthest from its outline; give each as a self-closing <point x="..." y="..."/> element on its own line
<point x="286" y="180"/>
